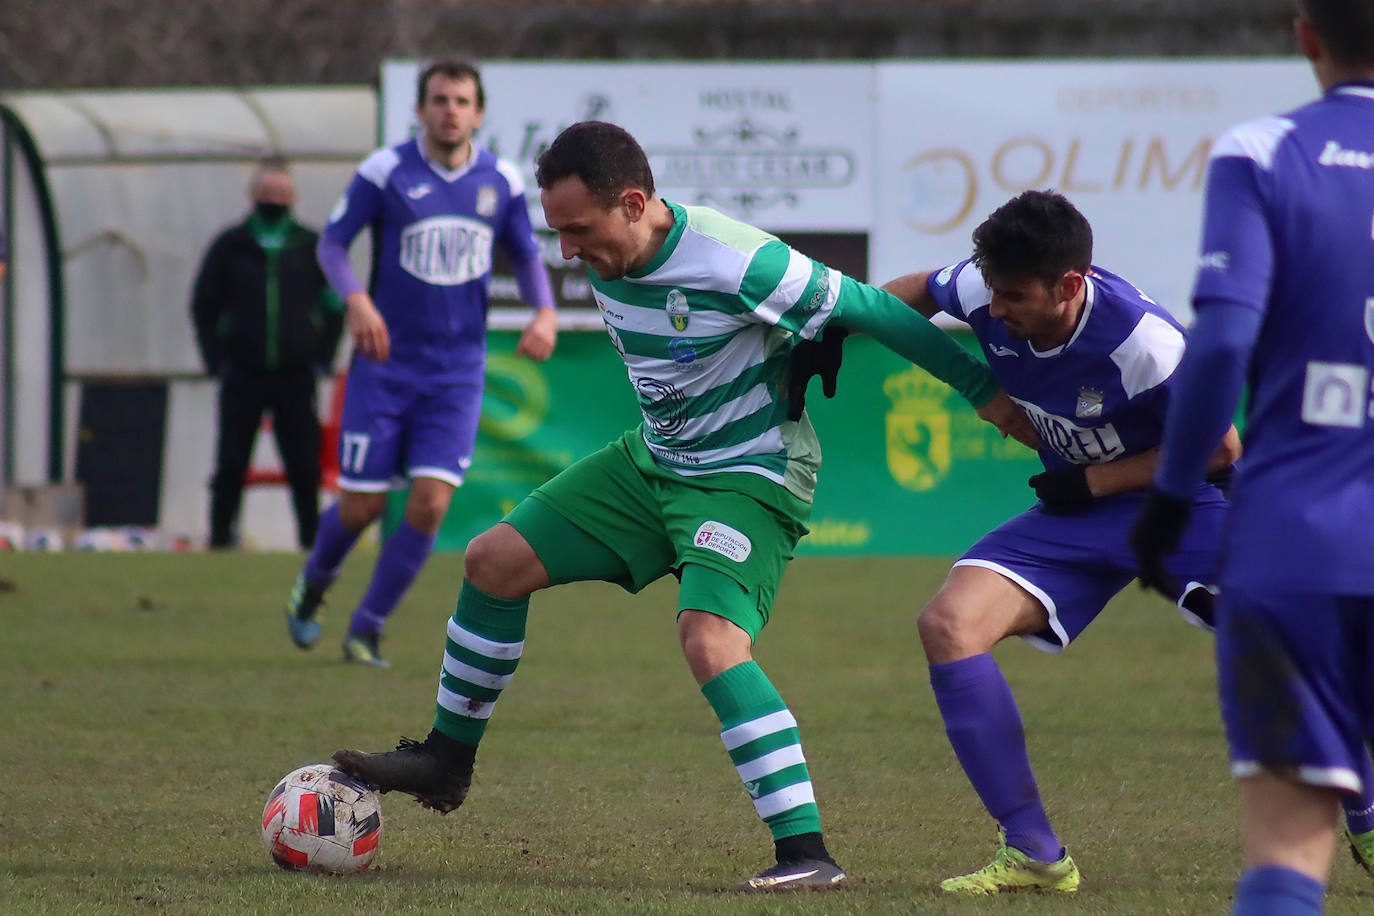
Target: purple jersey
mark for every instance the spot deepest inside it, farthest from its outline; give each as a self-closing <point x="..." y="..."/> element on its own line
<point x="1289" y="233"/>
<point x="433" y="231"/>
<point x="1099" y="396"/>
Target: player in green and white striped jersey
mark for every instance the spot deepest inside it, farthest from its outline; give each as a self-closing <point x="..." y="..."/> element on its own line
<point x="714" y="487"/>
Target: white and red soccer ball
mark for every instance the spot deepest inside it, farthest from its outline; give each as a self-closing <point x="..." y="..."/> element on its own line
<point x="318" y="818"/>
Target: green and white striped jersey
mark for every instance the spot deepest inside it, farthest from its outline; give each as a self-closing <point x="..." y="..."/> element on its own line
<point x="706" y="330"/>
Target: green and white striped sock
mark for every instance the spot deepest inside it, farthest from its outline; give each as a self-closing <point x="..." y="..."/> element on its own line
<point x="761" y="736"/>
<point x="485" y="638"/>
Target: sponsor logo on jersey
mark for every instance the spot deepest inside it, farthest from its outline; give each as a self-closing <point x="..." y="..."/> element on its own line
<point x="683" y="350"/>
<point x="822" y="288"/>
<point x="944" y="276"/>
<point x="339" y="210"/>
<point x="724" y="540"/>
<point x="420" y="190"/>
<point x="1369" y="319"/>
<point x="446" y="250"/>
<point x="1089" y="403"/>
<point x="1213" y="260"/>
<point x="486" y="201"/>
<point x="1074" y="443"/>
<point x="1335" y="154"/>
<point x="663" y="404"/>
<point x="1334" y="394"/>
<point x="615" y="338"/>
<point x="676" y="307"/>
<point x="999" y="350"/>
<point x="918" y="429"/>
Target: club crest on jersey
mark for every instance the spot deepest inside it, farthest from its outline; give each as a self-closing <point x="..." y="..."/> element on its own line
<point x="1089" y="404"/>
<point x="486" y="201"/>
<point x="1369" y="319"/>
<point x="676" y="307"/>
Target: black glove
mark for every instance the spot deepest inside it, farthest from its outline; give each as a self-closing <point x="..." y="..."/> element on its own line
<point x="1221" y="479"/>
<point x="814" y="357"/>
<point x="1063" y="491"/>
<point x="1156" y="534"/>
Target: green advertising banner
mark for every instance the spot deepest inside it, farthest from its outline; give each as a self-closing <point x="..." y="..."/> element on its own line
<point x="908" y="466"/>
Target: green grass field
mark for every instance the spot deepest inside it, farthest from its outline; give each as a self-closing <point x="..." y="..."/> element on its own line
<point x="151" y="701"/>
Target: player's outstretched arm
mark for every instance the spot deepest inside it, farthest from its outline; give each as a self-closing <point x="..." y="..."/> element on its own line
<point x="912" y="290"/>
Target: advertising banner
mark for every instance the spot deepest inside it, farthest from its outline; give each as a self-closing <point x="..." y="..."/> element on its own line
<point x="908" y="467"/>
<point x="1126" y="141"/>
<point x="783" y="146"/>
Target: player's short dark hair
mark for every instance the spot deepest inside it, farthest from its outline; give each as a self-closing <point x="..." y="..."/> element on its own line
<point x="1345" y="27"/>
<point x="604" y="156"/>
<point x="1035" y="234"/>
<point x="454" y="70"/>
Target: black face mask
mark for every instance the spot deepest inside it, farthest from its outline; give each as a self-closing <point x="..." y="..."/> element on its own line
<point x="269" y="211"/>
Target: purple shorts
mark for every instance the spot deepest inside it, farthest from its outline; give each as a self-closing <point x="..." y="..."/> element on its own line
<point x="1074" y="564"/>
<point x="1296" y="673"/>
<point x="394" y="428"/>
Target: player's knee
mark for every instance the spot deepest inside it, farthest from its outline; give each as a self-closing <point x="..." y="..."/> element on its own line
<point x="358" y="510"/>
<point x="501" y="563"/>
<point x="942" y="631"/>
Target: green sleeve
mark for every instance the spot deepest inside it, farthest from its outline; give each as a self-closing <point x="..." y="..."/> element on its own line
<point x="910" y="335"/>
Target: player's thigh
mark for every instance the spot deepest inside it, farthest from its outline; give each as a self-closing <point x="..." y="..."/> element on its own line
<point x="975" y="608"/>
<point x="597" y="520"/>
<point x="371" y="443"/>
<point x="749" y="537"/>
<point x="441" y="430"/>
<point x="1063" y="561"/>
<point x="1293" y="674"/>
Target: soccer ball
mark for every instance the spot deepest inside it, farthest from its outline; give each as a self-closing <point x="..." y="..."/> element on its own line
<point x="319" y="818"/>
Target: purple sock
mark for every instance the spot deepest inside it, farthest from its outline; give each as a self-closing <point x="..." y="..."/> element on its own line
<point x="332" y="543"/>
<point x="1359" y="809"/>
<point x="402" y="556"/>
<point x="1272" y="890"/>
<point x="984" y="726"/>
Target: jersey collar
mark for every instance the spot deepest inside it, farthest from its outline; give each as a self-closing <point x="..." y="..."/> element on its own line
<point x="1361" y="88"/>
<point x="449" y="175"/>
<point x="669" y="244"/>
<point x="1090" y="295"/>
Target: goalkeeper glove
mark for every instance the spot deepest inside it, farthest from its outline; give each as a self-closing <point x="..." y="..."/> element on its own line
<point x="1157" y="533"/>
<point x="814" y="357"/>
<point x="1063" y="491"/>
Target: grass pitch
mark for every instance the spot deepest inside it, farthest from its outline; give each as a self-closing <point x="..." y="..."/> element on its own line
<point x="151" y="701"/>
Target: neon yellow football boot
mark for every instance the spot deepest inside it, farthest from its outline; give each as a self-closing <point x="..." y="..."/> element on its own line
<point x="1012" y="870"/>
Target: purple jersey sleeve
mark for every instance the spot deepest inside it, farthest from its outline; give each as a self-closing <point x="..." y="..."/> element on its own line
<point x="360" y="206"/>
<point x="333" y="258"/>
<point x="943" y="287"/>
<point x="1234" y="273"/>
<point x="530" y="273"/>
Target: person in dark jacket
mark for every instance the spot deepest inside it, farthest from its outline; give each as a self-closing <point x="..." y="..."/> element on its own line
<point x="266" y="323"/>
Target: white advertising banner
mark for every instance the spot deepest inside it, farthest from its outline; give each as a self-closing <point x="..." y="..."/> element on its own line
<point x="1126" y="141"/>
<point x="785" y="146"/>
<point x="895" y="163"/>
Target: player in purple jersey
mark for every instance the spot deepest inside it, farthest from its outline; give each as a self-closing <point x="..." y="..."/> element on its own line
<point x="1090" y="359"/>
<point x="436" y="205"/>
<point x="1284" y="297"/>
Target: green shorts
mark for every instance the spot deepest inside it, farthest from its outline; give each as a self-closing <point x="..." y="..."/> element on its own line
<point x="655" y="522"/>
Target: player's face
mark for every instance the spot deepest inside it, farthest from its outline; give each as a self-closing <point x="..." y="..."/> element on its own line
<point x="450" y="114"/>
<point x="604" y="239"/>
<point x="1033" y="310"/>
<point x="274" y="188"/>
